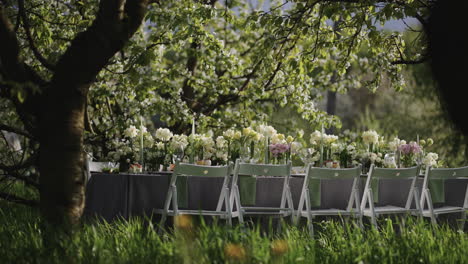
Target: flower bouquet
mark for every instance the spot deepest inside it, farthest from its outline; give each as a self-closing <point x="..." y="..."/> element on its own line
<point x="279" y="151"/>
<point x="408" y="153"/>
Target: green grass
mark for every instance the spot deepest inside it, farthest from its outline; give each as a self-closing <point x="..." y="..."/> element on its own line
<point x="137" y="241"/>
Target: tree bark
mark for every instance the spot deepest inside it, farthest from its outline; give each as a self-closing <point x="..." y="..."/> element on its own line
<point x="61" y="155"/>
<point x="61" y="120"/>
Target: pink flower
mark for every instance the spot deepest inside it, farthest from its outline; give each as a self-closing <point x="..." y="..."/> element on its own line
<point x="277" y="149"/>
<point x="411" y="148"/>
<point x="405" y="149"/>
<point x="415" y="148"/>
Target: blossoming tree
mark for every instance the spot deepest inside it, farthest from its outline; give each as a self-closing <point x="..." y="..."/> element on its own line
<point x="87" y="67"/>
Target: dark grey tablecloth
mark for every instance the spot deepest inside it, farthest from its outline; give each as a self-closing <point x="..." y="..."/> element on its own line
<point x="113" y="195"/>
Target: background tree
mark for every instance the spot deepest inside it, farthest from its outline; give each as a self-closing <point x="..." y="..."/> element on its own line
<point x="225" y="62"/>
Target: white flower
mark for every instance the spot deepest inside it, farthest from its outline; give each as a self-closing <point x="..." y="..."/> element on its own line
<point x="350" y="148"/>
<point x="430" y="159"/>
<point x="163" y="134"/>
<point x="179" y="142"/>
<point x="295" y="147"/>
<point x="258" y="137"/>
<point x="237" y="135"/>
<point x="373" y="157"/>
<point x="300" y="133"/>
<point x="267" y="131"/>
<point x="393" y="145"/>
<point x="335" y="147"/>
<point x="222" y="155"/>
<point x="229" y="134"/>
<point x="248" y="132"/>
<point x="220" y="142"/>
<point x="278" y="139"/>
<point x="160" y="145"/>
<point x="370" y="137"/>
<point x="328" y="139"/>
<point x="315" y="137"/>
<point x="131" y="132"/>
<point x="207" y="142"/>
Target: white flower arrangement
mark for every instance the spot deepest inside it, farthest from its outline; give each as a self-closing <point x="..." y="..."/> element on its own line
<point x="370" y="137"/>
<point x="179" y="142"/>
<point x="163" y="134"/>
<point x="430" y="159"/>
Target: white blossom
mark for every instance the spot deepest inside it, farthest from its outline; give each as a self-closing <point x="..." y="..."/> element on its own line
<point x="163" y="134"/>
<point x="131" y="132"/>
<point x="370" y="137"/>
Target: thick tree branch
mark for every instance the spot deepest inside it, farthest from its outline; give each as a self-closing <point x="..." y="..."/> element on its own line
<point x="33" y="47"/>
<point x="91" y="50"/>
<point x="9" y="53"/>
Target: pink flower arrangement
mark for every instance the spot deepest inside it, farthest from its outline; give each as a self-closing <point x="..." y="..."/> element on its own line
<point x="409" y="151"/>
<point x="411" y="148"/>
<point x="277" y="149"/>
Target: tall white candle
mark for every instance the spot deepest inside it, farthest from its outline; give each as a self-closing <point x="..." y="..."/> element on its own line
<point x="141" y="141"/>
<point x="321" y="147"/>
<point x="193" y="125"/>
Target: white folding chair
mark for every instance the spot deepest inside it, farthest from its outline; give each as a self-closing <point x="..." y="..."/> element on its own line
<point x="389" y="174"/>
<point x="285" y="208"/>
<point x="190" y="170"/>
<point x="426" y="198"/>
<point x="353" y="208"/>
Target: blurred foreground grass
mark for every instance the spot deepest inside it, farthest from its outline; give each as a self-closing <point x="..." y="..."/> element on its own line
<point x="194" y="241"/>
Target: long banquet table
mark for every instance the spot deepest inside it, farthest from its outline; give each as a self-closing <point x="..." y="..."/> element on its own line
<point x="112" y="196"/>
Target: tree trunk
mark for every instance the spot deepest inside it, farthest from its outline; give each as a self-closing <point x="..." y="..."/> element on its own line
<point x="61" y="127"/>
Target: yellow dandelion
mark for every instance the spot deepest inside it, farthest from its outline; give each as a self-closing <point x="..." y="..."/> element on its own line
<point x="234" y="252"/>
<point x="279" y="247"/>
<point x="183" y="222"/>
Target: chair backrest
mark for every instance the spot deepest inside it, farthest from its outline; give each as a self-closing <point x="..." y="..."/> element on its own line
<point x="247" y="169"/>
<point x="328" y="173"/>
<point x="283" y="170"/>
<point x="185" y="169"/>
<point x="190" y="170"/>
<point x="448" y="173"/>
<point x="440" y="175"/>
<point x="385" y="173"/>
<point x="393" y="174"/>
<point x="313" y="178"/>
